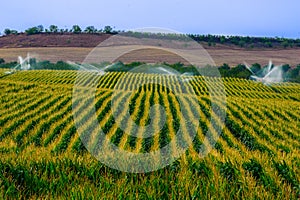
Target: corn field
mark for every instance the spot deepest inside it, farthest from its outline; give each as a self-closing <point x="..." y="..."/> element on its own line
<point x="257" y="154"/>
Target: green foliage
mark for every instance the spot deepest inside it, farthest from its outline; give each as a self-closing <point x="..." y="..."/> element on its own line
<point x="285" y="44"/>
<point x="239" y="71"/>
<point x="32" y="31"/>
<point x="286" y="67"/>
<point x="35" y="30"/>
<point x="293" y="73"/>
<point x="230" y="171"/>
<point x="40" y="28"/>
<point x="8" y="65"/>
<point x="43" y="157"/>
<point x="108" y="29"/>
<point x="284" y="148"/>
<point x="255" y="168"/>
<point x="53" y="28"/>
<point x="59" y="65"/>
<point x="211" y="40"/>
<point x="287" y="174"/>
<point x="10" y="32"/>
<point x="7" y="31"/>
<point x="243" y="135"/>
<point x="200" y="168"/>
<point x="76" y="29"/>
<point x="225" y="66"/>
<point x="241" y="43"/>
<point x="255" y="67"/>
<point x="246" y="41"/>
<point x="224" y="70"/>
<point x="90" y="29"/>
<point x="268" y="44"/>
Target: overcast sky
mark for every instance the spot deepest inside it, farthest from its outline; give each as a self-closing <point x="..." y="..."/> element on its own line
<point x="236" y="17"/>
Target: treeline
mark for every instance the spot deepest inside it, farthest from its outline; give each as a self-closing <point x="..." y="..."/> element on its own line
<point x="39" y="65"/>
<point x="247" y="41"/>
<point x="55" y="29"/>
<point x="210" y="40"/>
<point x="240" y="71"/>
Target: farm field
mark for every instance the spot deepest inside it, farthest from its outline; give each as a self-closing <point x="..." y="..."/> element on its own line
<point x="257" y="155"/>
<point x="220" y="55"/>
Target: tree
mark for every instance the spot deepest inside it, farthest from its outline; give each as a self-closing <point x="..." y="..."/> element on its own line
<point x="2" y="61"/>
<point x="76" y="29"/>
<point x="286" y="67"/>
<point x="107" y="29"/>
<point x="40" y="28"/>
<point x="242" y="43"/>
<point x="224" y="70"/>
<point x="268" y="44"/>
<point x="90" y="29"/>
<point x="7" y="31"/>
<point x="35" y="30"/>
<point x="222" y="39"/>
<point x="239" y="71"/>
<point x="14" y="32"/>
<point x="293" y="73"/>
<point x="285" y="44"/>
<point x="53" y="29"/>
<point x="256" y="67"/>
<point x="225" y="66"/>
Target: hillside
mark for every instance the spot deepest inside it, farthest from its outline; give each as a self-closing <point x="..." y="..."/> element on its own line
<point x="23" y="40"/>
<point x="76" y="47"/>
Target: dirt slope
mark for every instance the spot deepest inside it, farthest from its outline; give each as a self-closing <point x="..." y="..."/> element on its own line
<point x="76" y="47"/>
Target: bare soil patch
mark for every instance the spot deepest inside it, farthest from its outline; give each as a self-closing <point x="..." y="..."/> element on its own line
<point x="75" y="47"/>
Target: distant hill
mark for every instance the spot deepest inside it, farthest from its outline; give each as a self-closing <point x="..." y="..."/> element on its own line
<point x="68" y="39"/>
<point x="70" y="46"/>
<point x="23" y="40"/>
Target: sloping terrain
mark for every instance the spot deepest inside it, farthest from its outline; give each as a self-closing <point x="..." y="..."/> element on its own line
<point x="76" y="47"/>
<point x="52" y="40"/>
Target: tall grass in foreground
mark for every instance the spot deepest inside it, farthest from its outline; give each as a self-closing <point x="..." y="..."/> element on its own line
<point x="257" y="155"/>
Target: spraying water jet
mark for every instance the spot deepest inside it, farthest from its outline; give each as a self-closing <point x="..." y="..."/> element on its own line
<point x="268" y="75"/>
<point x="24" y="64"/>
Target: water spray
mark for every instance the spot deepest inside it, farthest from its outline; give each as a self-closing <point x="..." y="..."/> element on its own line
<point x="89" y="67"/>
<point x="24" y="64"/>
<point x="269" y="75"/>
